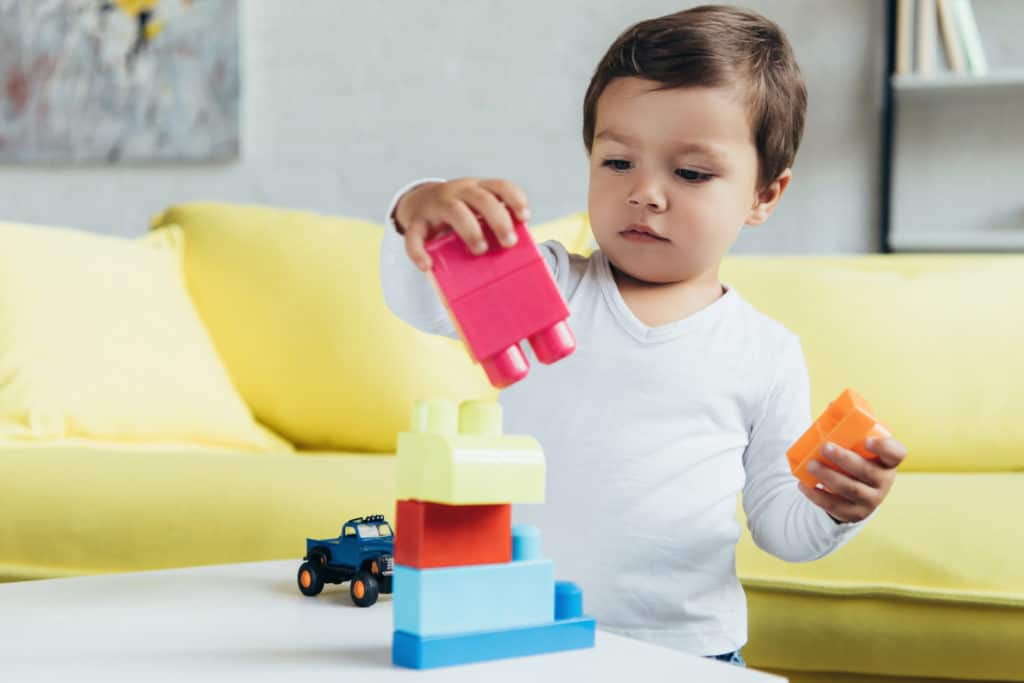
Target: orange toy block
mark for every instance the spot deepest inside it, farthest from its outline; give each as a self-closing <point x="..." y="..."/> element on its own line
<point x="438" y="535"/>
<point x="847" y="422"/>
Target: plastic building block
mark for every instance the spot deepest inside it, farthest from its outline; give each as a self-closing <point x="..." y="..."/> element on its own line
<point x="526" y="543"/>
<point x="429" y="652"/>
<point x="483" y="597"/>
<point x="568" y="600"/>
<point x="362" y="554"/>
<point x="848" y="422"/>
<point x="437" y="535"/>
<point x="458" y="456"/>
<point x="499" y="298"/>
<point x="569" y="631"/>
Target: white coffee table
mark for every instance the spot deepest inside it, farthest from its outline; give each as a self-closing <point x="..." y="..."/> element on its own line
<point x="248" y="622"/>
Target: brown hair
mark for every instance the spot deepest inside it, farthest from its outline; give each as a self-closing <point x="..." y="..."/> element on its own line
<point x="715" y="46"/>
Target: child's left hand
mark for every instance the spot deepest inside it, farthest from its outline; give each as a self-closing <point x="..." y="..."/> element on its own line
<point x="852" y="498"/>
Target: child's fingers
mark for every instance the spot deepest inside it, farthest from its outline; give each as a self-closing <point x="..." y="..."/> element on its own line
<point x="511" y="194"/>
<point x="841" y="484"/>
<point x="466" y="226"/>
<point x="414" y="245"/>
<point x="494" y="213"/>
<point x="854" y="464"/>
<point x="890" y="452"/>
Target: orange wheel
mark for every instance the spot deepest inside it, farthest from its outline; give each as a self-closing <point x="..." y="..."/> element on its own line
<point x="310" y="580"/>
<point x="364" y="589"/>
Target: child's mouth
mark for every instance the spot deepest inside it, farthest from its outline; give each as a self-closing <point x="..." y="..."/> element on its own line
<point x="641" y="235"/>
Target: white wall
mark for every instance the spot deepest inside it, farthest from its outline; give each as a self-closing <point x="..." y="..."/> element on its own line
<point x="344" y="101"/>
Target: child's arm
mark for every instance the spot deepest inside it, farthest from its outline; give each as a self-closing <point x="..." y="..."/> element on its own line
<point x="782" y="521"/>
<point x="407" y="291"/>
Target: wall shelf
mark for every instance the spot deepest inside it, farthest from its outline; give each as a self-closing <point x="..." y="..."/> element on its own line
<point x="1007" y="241"/>
<point x="949" y="143"/>
<point x="913" y="84"/>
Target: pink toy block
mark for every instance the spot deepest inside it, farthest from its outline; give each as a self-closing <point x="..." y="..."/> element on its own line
<point x="500" y="298"/>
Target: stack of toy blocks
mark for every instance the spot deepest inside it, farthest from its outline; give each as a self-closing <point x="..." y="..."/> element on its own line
<point x="468" y="585"/>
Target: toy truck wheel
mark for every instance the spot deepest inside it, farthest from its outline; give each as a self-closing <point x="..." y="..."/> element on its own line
<point x="311" y="581"/>
<point x="319" y="558"/>
<point x="364" y="589"/>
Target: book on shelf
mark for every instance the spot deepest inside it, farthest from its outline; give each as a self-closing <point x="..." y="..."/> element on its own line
<point x="904" y="36"/>
<point x="951" y="37"/>
<point x="925" y="44"/>
<point x="967" y="29"/>
<point x="920" y="27"/>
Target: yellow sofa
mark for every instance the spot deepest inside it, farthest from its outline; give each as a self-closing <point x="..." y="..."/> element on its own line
<point x="932" y="589"/>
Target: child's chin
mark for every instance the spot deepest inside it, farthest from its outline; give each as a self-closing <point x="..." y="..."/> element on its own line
<point x="644" y="269"/>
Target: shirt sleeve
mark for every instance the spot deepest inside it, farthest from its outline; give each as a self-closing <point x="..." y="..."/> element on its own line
<point x="782" y="521"/>
<point x="409" y="292"/>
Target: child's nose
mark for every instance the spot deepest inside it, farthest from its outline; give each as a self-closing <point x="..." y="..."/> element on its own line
<point x="649" y="200"/>
<point x="646" y="192"/>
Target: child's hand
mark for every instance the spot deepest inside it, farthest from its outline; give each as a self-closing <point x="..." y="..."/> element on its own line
<point x="852" y="498"/>
<point x="429" y="208"/>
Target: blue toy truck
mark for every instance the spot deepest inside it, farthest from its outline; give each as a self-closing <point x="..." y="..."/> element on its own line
<point x="362" y="554"/>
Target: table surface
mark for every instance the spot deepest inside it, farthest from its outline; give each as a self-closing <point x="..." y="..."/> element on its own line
<point x="249" y="622"/>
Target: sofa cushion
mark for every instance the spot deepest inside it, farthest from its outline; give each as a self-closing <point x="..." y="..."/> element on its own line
<point x="934" y="579"/>
<point x="89" y="508"/>
<point x="293" y="302"/>
<point x="932" y="341"/>
<point x="99" y="339"/>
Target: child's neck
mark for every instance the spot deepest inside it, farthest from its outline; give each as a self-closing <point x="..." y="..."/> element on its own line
<point x="661" y="303"/>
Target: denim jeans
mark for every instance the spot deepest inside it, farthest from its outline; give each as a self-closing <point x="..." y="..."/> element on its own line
<point x="730" y="658"/>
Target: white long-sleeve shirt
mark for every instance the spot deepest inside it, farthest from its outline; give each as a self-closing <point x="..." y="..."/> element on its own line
<point x="650" y="434"/>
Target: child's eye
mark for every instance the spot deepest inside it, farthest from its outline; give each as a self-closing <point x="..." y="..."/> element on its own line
<point x="616" y="164"/>
<point x="692" y="176"/>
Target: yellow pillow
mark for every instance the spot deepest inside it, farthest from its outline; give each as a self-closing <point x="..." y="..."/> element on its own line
<point x="293" y="302"/>
<point x="99" y="339"/>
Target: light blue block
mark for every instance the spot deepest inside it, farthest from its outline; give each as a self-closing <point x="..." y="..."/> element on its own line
<point x="526" y="543"/>
<point x="482" y="597"/>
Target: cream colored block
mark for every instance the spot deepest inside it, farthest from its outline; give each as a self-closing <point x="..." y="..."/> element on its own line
<point x="459" y="456"/>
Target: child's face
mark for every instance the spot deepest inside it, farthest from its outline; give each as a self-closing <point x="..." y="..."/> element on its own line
<point x="683" y="163"/>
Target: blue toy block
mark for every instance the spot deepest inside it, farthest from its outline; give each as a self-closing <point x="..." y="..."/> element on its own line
<point x="568" y="600"/>
<point x="420" y="652"/>
<point x="470" y="598"/>
<point x="526" y="543"/>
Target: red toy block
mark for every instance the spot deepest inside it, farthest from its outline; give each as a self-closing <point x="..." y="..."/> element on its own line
<point x="500" y="298"/>
<point x="847" y="422"/>
<point x="437" y="535"/>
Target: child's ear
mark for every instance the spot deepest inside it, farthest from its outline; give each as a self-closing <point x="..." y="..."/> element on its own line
<point x="767" y="198"/>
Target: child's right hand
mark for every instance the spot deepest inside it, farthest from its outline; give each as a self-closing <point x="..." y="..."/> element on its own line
<point x="432" y="207"/>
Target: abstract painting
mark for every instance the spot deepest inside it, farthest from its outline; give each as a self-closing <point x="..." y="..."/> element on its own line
<point x="119" y="81"/>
